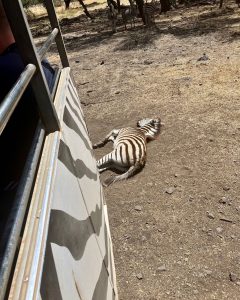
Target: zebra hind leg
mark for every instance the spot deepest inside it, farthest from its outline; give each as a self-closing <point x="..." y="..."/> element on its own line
<point x="109" y="138"/>
<point x="131" y="171"/>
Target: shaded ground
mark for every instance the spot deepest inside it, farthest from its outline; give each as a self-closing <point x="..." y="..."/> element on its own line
<point x="175" y="226"/>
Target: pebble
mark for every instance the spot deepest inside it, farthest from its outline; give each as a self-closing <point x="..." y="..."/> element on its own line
<point x="77" y="61"/>
<point x="162" y="268"/>
<point x="139" y="276"/>
<point x="210" y="215"/>
<point x="208" y="272"/>
<point x="233" y="277"/>
<point x="102" y="62"/>
<point x="117" y="92"/>
<point x="219" y="229"/>
<point x="138" y="208"/>
<point x="223" y="200"/>
<point x="226" y="188"/>
<point x="170" y="190"/>
<point x="148" y="62"/>
<point x="203" y="58"/>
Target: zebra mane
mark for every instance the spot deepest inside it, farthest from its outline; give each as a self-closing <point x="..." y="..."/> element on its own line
<point x="150" y="127"/>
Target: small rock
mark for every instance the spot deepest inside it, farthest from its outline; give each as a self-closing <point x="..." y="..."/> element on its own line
<point x="190" y="199"/>
<point x="148" y="62"/>
<point x="102" y="62"/>
<point x="117" y="92"/>
<point x="211" y="139"/>
<point x="89" y="91"/>
<point x="210" y="215"/>
<point x="170" y="190"/>
<point x="176" y="175"/>
<point x="219" y="229"/>
<point x="226" y="188"/>
<point x="233" y="277"/>
<point x="138" y="208"/>
<point x="223" y="200"/>
<point x="203" y="58"/>
<point x="139" y="276"/>
<point x="77" y="61"/>
<point x="208" y="272"/>
<point x="162" y="268"/>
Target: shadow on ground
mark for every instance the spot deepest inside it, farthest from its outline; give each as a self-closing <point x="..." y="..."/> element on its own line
<point x="181" y="23"/>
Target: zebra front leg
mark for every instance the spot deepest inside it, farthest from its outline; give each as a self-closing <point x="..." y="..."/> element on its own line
<point x="110" y="137"/>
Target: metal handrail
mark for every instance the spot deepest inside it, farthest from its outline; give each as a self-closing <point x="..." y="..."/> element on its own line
<point x="21" y="31"/>
<point x="43" y="50"/>
<point x="14" y="95"/>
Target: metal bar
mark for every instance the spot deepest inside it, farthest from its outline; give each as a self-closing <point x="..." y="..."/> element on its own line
<point x="18" y="210"/>
<point x="26" y="46"/>
<point x="59" y="40"/>
<point x="11" y="100"/>
<point x="43" y="50"/>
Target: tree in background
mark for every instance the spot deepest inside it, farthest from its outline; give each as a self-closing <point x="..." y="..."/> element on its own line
<point x="28" y="3"/>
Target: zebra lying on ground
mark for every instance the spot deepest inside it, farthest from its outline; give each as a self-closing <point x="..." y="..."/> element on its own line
<point x="129" y="151"/>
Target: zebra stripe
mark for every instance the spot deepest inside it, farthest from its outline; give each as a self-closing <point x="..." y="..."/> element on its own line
<point x="150" y="9"/>
<point x="129" y="148"/>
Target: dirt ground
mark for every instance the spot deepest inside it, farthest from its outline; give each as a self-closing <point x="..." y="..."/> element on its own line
<point x="176" y="225"/>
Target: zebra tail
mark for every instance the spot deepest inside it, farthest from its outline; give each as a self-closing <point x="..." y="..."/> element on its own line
<point x="131" y="171"/>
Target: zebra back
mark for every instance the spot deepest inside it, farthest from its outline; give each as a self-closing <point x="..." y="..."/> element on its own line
<point x="150" y="9"/>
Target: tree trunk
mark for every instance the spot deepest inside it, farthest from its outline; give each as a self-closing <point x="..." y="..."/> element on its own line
<point x="67" y="3"/>
<point x="119" y="5"/>
<point x="166" y="5"/>
<point x="140" y="4"/>
<point x="115" y="5"/>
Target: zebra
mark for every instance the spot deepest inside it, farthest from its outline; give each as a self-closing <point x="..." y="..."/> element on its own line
<point x="129" y="13"/>
<point x="129" y="151"/>
<point x="150" y="9"/>
<point x="112" y="16"/>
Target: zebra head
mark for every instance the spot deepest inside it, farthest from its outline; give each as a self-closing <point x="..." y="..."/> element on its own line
<point x="150" y="127"/>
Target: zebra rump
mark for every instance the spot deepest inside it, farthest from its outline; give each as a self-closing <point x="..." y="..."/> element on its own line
<point x="129" y="149"/>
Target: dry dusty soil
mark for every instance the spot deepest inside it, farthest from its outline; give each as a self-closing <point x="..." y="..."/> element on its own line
<point x="176" y="225"/>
